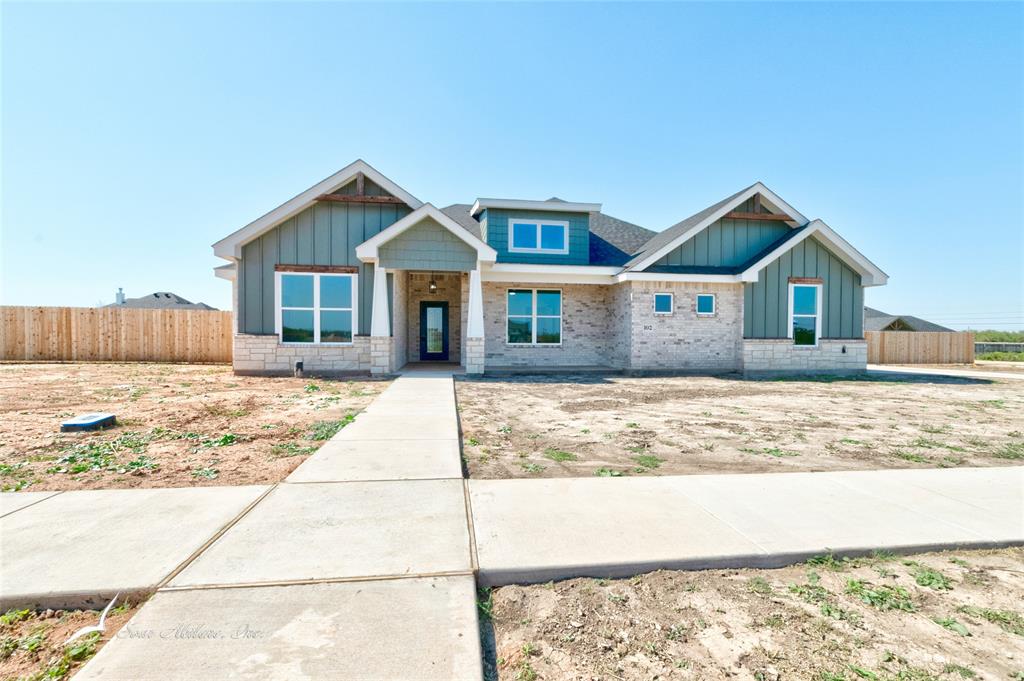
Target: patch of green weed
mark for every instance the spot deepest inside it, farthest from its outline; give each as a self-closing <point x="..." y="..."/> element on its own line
<point x="559" y="455"/>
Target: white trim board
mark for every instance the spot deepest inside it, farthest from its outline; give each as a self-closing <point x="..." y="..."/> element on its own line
<point x="870" y="274"/>
<point x="230" y="247"/>
<point x="521" y="273"/>
<point x="524" y="204"/>
<point x="769" y="198"/>
<point x="691" y="278"/>
<point x="369" y="249"/>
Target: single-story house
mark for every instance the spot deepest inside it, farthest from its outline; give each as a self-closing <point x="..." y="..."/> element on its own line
<point x="160" y="300"/>
<point x="876" y="320"/>
<point x="355" y="274"/>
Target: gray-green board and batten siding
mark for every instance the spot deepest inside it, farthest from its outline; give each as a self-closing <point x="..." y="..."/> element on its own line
<point x="323" y="234"/>
<point x="766" y="301"/>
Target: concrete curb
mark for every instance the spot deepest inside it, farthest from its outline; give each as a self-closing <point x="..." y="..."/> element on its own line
<point x="544" y="574"/>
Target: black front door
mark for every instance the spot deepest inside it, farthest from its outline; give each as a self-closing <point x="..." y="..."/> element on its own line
<point x="434" y="331"/>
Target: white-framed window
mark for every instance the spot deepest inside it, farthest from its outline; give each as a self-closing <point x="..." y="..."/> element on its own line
<point x="534" y="316"/>
<point x="664" y="303"/>
<point x="316" y="307"/>
<point x="705" y="304"/>
<point x="805" y="313"/>
<point x="528" y="235"/>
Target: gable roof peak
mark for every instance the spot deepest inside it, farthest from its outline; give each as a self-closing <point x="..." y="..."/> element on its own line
<point x="679" y="233"/>
<point x="230" y="247"/>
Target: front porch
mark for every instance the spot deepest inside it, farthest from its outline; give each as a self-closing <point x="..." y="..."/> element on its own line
<point x="427" y="294"/>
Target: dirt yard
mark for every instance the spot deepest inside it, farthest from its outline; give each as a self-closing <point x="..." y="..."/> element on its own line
<point x="34" y="645"/>
<point x="178" y="425"/>
<point x="562" y="426"/>
<point x="929" y="617"/>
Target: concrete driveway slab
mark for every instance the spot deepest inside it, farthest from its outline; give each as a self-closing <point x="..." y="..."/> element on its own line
<point x="78" y="549"/>
<point x="15" y="501"/>
<point x="346" y="460"/>
<point x="536" y="530"/>
<point x="424" y="629"/>
<point x="341" y="530"/>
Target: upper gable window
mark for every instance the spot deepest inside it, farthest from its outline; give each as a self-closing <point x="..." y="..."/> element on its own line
<point x="538" y="236"/>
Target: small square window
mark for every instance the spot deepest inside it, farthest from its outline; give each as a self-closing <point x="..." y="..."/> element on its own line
<point x="705" y="303"/>
<point x="662" y="303"/>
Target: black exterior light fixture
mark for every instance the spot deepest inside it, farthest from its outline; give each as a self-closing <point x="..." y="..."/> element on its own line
<point x="432" y="286"/>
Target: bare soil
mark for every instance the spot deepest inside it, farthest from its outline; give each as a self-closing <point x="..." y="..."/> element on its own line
<point x="932" y="616"/>
<point x="179" y="425"/>
<point x="34" y="645"/>
<point x="571" y="426"/>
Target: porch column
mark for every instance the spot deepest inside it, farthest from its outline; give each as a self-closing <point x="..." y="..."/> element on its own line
<point x="475" y="325"/>
<point x="380" y="324"/>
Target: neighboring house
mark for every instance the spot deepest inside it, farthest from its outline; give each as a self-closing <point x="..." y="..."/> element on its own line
<point x="355" y="275"/>
<point x="161" y="300"/>
<point x="876" y="320"/>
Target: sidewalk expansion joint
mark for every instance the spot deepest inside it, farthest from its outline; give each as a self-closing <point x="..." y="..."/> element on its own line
<point x="46" y="498"/>
<point x="474" y="561"/>
<point x="320" y="580"/>
<point x="217" y="535"/>
<point x="340" y="482"/>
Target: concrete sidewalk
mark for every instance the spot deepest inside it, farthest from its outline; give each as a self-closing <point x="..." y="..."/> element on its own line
<point x="887" y="369"/>
<point x="361" y="564"/>
<point x="358" y="566"/>
<point x="78" y="549"/>
<point x="538" y="530"/>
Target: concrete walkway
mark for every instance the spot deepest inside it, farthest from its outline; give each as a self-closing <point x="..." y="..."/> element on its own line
<point x="363" y="563"/>
<point x="896" y="369"/>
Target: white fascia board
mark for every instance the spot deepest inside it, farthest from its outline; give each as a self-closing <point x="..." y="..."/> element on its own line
<point x="693" y="278"/>
<point x="226" y="271"/>
<point x="870" y="274"/>
<point x="522" y="204"/>
<point x="368" y="250"/>
<point x="525" y="268"/>
<point x="772" y="199"/>
<point x="231" y="246"/>
<point x="549" y="275"/>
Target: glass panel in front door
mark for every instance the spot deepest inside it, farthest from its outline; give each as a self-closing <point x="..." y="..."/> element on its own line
<point x="435" y="330"/>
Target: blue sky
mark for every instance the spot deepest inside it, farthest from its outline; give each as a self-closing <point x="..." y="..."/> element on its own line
<point x="135" y="135"/>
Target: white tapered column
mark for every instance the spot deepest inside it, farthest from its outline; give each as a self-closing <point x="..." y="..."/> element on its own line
<point x="380" y="324"/>
<point x="475" y="324"/>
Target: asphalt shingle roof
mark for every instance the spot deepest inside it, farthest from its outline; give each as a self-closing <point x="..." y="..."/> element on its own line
<point x="876" y="320"/>
<point x="162" y="300"/>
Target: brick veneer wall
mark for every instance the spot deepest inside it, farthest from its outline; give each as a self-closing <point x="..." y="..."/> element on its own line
<point x="264" y="355"/>
<point x="780" y="356"/>
<point x="684" y="341"/>
<point x="586" y="328"/>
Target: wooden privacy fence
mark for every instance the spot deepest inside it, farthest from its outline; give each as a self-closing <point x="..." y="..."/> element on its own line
<point x="920" y="347"/>
<point x="114" y="334"/>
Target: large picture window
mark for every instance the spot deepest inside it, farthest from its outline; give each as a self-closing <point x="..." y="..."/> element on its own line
<point x="538" y="236"/>
<point x="534" y="317"/>
<point x="316" y="307"/>
<point x="805" y="313"/>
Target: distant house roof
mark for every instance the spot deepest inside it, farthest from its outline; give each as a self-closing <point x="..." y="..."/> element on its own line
<point x="162" y="300"/>
<point x="876" y="320"/>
